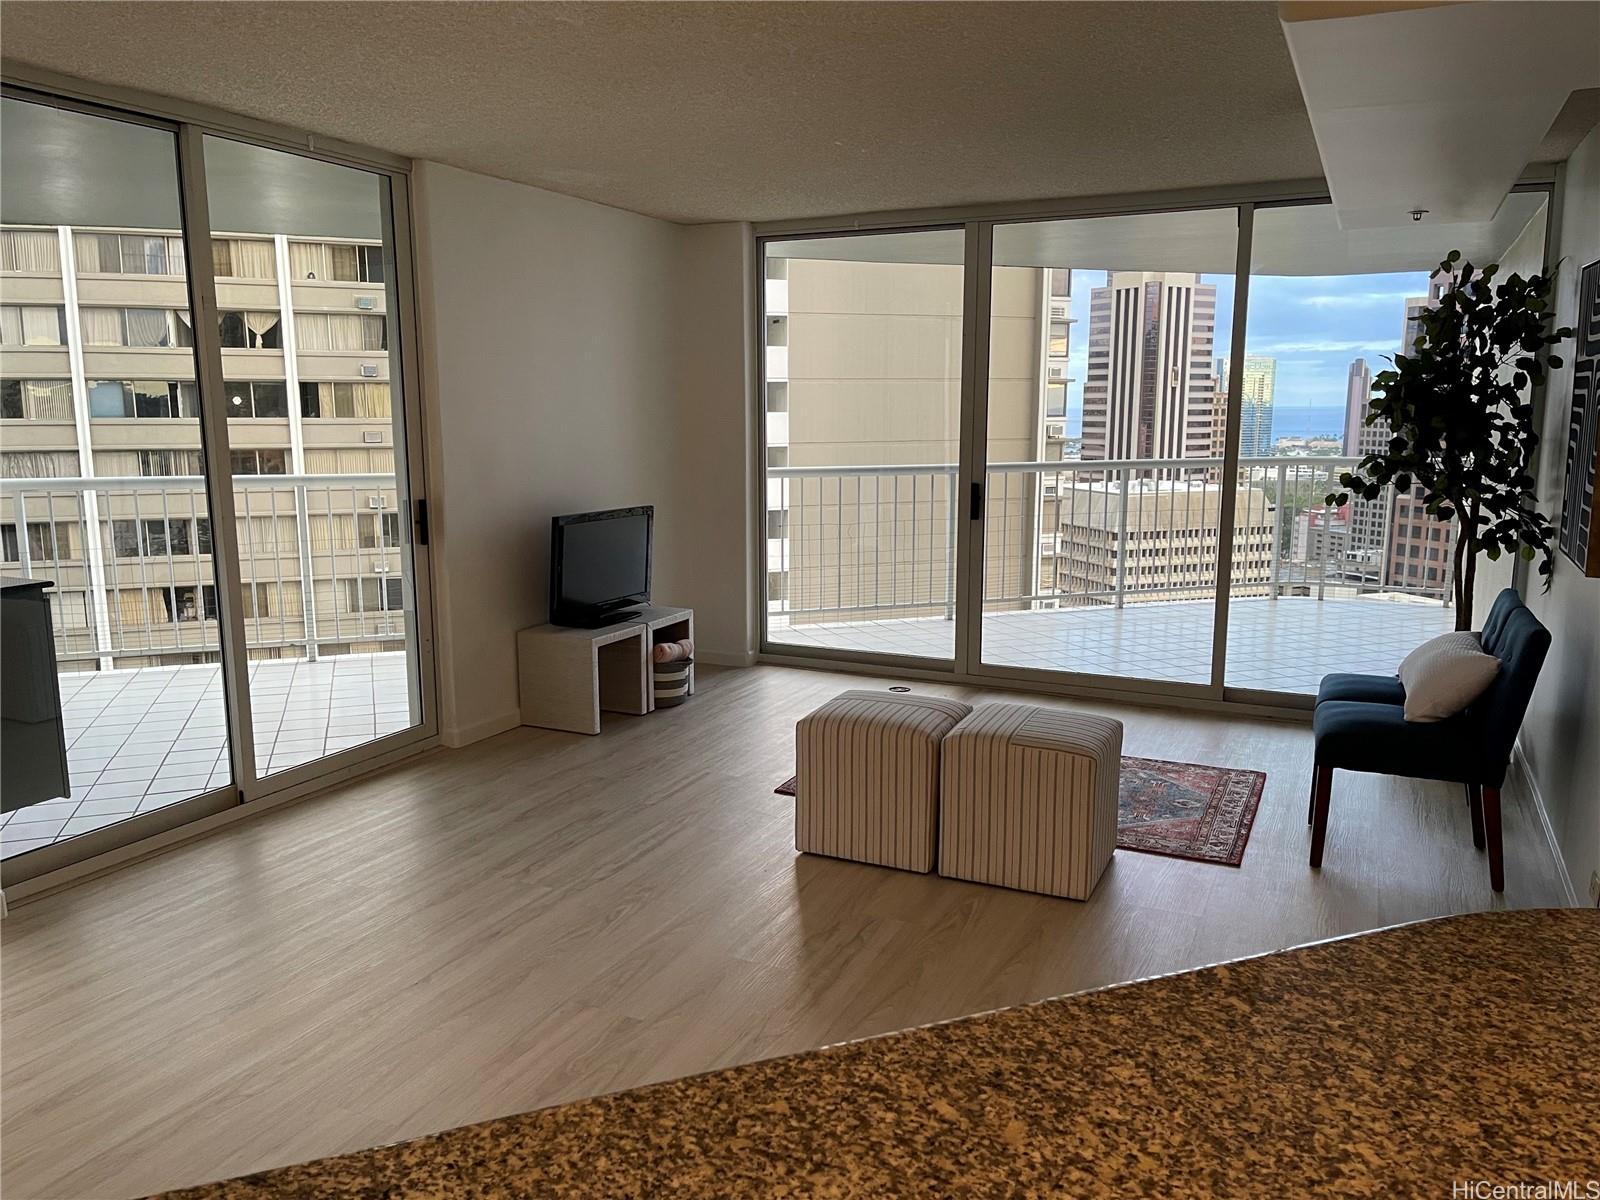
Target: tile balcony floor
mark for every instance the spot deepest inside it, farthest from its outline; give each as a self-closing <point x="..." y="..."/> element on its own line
<point x="1284" y="645"/>
<point x="142" y="739"/>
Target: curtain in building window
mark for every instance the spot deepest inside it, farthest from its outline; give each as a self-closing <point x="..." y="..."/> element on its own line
<point x="344" y="263"/>
<point x="41" y="326"/>
<point x="372" y="400"/>
<point x="312" y="331"/>
<point x="101" y="326"/>
<point x="116" y="462"/>
<point x="48" y="399"/>
<point x="307" y="261"/>
<point x="132" y="608"/>
<point x="10" y="325"/>
<point x="380" y="462"/>
<point x="322" y="462"/>
<point x="97" y="253"/>
<point x="41" y="464"/>
<point x="261" y="325"/>
<point x="254" y="260"/>
<point x="149" y="327"/>
<point x="34" y="250"/>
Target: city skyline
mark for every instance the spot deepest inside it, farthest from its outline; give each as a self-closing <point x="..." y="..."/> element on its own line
<point x="1313" y="326"/>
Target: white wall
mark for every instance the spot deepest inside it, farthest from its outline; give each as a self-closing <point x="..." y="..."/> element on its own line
<point x="1561" y="735"/>
<point x="714" y="442"/>
<point x="575" y="357"/>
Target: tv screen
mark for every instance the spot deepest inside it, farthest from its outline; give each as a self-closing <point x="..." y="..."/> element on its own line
<point x="599" y="561"/>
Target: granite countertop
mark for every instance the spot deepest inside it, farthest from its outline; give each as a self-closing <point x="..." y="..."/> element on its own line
<point x="1385" y="1064"/>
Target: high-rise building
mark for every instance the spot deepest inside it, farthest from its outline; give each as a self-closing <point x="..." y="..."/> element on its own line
<point x="1321" y="538"/>
<point x="863" y="368"/>
<point x="1260" y="376"/>
<point x="1419" y="545"/>
<point x="97" y="370"/>
<point x="1357" y="394"/>
<point x="1159" y="541"/>
<point x="1148" y="392"/>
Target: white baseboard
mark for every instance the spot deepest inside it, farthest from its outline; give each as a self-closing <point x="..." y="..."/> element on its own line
<point x="716" y="658"/>
<point x="1520" y="762"/>
<point x="464" y="735"/>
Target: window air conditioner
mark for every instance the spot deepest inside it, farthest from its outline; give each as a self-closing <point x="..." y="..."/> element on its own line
<point x="369" y="370"/>
<point x="367" y="302"/>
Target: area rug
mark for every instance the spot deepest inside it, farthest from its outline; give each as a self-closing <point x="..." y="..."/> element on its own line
<point x="1181" y="810"/>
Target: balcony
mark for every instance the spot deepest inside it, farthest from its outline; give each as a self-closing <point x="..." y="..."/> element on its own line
<point x="137" y="637"/>
<point x="1107" y="568"/>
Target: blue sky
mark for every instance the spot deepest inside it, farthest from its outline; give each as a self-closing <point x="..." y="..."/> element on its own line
<point x="1313" y="325"/>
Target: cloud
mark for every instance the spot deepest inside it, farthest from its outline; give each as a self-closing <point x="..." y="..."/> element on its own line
<point x="1314" y="346"/>
<point x="1355" y="299"/>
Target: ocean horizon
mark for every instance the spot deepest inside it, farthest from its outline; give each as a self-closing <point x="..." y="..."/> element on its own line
<point x="1299" y="420"/>
<point x="1307" y="420"/>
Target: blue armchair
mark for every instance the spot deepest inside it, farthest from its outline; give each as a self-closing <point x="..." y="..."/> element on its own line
<point x="1360" y="725"/>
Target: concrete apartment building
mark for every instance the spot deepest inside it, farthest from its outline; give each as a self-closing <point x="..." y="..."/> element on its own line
<point x="1158" y="541"/>
<point x="864" y="370"/>
<point x="101" y="408"/>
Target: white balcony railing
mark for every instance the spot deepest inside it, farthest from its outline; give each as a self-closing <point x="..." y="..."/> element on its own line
<point x="875" y="541"/>
<point x="321" y="563"/>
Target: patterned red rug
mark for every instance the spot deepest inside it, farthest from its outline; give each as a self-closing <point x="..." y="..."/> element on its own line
<point x="1181" y="810"/>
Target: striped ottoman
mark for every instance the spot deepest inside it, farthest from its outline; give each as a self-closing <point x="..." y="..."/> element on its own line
<point x="868" y="777"/>
<point x="1029" y="799"/>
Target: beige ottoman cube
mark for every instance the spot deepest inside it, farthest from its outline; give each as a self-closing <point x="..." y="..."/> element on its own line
<point x="867" y="767"/>
<point x="1029" y="799"/>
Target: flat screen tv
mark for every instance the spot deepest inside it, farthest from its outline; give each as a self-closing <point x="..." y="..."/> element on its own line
<point x="599" y="565"/>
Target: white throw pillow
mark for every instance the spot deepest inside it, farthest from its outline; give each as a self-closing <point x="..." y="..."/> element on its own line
<point x="1444" y="675"/>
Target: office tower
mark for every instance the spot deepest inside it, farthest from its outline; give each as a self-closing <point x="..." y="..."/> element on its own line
<point x="1255" y="406"/>
<point x="1149" y="388"/>
<point x="1357" y="393"/>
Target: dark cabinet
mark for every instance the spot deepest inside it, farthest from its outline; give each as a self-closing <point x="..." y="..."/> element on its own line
<point x="33" y="747"/>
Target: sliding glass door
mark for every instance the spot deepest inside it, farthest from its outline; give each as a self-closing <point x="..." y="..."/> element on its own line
<point x="1104" y="433"/>
<point x="862" y="340"/>
<point x="304" y="261"/>
<point x="1130" y="493"/>
<point x="104" y="495"/>
<point x="218" y="510"/>
<point x="1319" y="588"/>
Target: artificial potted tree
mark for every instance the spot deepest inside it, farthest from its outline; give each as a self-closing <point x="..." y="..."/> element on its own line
<point x="1461" y="420"/>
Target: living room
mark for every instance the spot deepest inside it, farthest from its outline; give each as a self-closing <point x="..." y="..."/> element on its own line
<point x="970" y="356"/>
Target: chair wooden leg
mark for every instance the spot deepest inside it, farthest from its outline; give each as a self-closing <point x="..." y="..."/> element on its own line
<point x="1311" y="804"/>
<point x="1321" y="794"/>
<point x="1475" y="806"/>
<point x="1491" y="832"/>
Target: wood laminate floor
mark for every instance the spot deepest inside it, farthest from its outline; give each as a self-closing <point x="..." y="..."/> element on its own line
<point x="547" y="916"/>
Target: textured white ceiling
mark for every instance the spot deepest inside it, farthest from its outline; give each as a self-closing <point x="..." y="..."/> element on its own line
<point x="1302" y="239"/>
<point x="700" y="112"/>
